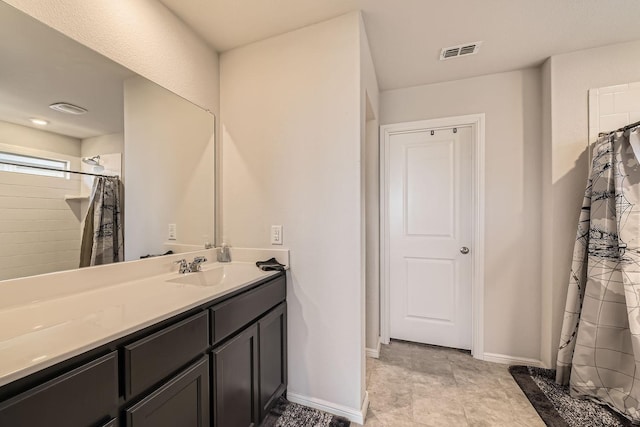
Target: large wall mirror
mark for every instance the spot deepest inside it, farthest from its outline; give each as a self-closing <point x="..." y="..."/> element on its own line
<point x="159" y="145"/>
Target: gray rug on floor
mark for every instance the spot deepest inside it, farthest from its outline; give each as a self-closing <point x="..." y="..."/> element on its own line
<point x="287" y="414"/>
<point x="556" y="407"/>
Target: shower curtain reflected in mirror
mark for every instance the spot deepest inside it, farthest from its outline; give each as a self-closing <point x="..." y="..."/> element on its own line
<point x="599" y="353"/>
<point x="102" y="241"/>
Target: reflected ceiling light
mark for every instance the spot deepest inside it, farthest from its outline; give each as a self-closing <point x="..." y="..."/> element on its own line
<point x="39" y="122"/>
<point x="65" y="107"/>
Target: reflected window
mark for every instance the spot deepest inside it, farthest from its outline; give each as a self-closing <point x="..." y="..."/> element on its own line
<point x="33" y="165"/>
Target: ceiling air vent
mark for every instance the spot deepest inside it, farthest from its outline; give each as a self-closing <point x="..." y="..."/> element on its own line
<point x="460" y="50"/>
<point x="65" y="107"/>
<point x="449" y="53"/>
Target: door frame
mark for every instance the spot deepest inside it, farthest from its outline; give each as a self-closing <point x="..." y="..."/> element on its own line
<point x="477" y="122"/>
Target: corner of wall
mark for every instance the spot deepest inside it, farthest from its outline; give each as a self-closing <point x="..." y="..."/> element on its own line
<point x="369" y="78"/>
<point x="546" y="326"/>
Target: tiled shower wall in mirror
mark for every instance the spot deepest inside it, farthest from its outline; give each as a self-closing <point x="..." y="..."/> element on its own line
<point x="39" y="230"/>
<point x="41" y="216"/>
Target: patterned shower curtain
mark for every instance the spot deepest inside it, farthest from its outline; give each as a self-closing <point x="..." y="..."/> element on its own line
<point x="102" y="241"/>
<point x="599" y="355"/>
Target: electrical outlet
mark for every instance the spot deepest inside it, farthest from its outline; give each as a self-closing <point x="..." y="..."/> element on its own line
<point x="173" y="235"/>
<point x="276" y="234"/>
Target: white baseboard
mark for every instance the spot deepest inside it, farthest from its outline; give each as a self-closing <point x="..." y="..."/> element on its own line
<point x="353" y="415"/>
<point x="374" y="352"/>
<point x="511" y="360"/>
<point x="364" y="409"/>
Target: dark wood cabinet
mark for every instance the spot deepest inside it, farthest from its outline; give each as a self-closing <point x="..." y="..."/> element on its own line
<point x="272" y="333"/>
<point x="250" y="371"/>
<point x="85" y="396"/>
<point x="221" y="364"/>
<point x="182" y="402"/>
<point x="235" y="379"/>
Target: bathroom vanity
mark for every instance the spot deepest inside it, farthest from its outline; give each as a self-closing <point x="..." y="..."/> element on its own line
<point x="219" y="360"/>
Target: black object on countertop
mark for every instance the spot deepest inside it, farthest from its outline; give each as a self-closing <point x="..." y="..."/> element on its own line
<point x="169" y="252"/>
<point x="269" y="265"/>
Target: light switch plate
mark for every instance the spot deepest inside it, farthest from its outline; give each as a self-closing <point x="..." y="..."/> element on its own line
<point x="276" y="234"/>
<point x="173" y="235"/>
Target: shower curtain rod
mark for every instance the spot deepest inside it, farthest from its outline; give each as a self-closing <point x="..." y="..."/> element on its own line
<point x="57" y="170"/>
<point x="631" y="126"/>
<point x="622" y="129"/>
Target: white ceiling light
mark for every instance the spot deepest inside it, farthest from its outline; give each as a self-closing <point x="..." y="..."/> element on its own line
<point x="39" y="122"/>
<point x="460" y="50"/>
<point x="65" y="107"/>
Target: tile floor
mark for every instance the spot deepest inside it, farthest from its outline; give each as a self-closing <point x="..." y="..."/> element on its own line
<point x="418" y="385"/>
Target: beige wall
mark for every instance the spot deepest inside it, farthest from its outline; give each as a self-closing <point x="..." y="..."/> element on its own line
<point x="291" y="155"/>
<point x="168" y="159"/>
<point x="39" y="230"/>
<point x="102" y="144"/>
<point x="512" y="104"/>
<point x="31" y="138"/>
<point x="571" y="76"/>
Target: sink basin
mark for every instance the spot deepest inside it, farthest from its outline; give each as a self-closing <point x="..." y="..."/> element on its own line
<point x="209" y="277"/>
<point x="225" y="274"/>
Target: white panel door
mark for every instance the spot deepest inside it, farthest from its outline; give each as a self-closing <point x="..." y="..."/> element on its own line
<point x="430" y="217"/>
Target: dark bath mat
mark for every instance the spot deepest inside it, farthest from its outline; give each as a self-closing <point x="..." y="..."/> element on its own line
<point x="288" y="414"/>
<point x="556" y="407"/>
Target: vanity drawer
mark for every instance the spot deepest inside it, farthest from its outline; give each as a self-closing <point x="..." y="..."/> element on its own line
<point x="154" y="358"/>
<point x="82" y="397"/>
<point x="231" y="315"/>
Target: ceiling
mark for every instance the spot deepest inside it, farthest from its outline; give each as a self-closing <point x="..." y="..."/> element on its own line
<point x="41" y="66"/>
<point x="406" y="36"/>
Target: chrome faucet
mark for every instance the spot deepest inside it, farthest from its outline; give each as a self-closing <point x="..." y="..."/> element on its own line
<point x="191" y="267"/>
<point x="184" y="267"/>
<point x="196" y="264"/>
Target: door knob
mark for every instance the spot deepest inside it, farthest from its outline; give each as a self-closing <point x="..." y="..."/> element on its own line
<point x="464" y="250"/>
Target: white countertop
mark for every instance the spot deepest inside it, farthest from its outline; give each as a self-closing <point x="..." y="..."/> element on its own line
<point x="39" y="334"/>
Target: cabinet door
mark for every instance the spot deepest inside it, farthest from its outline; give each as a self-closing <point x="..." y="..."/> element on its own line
<point x="182" y="402"/>
<point x="235" y="368"/>
<point x="272" y="333"/>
